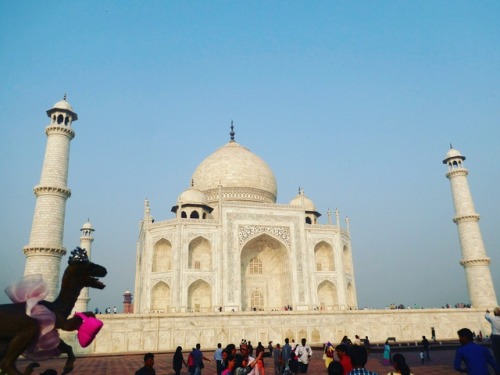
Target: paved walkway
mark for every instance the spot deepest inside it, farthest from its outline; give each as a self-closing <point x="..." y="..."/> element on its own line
<point x="441" y="364"/>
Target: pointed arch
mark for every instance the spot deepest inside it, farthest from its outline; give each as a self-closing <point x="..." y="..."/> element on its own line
<point x="315" y="336"/>
<point x="323" y="254"/>
<point x="302" y="334"/>
<point x="160" y="298"/>
<point x="347" y="260"/>
<point x="351" y="298"/>
<point x="200" y="254"/>
<point x="328" y="296"/>
<point x="200" y="296"/>
<point x="162" y="256"/>
<point x="265" y="268"/>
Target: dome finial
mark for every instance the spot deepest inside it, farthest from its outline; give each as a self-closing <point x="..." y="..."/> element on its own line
<point x="192" y="182"/>
<point x="451" y="146"/>
<point x="64" y="98"/>
<point x="232" y="132"/>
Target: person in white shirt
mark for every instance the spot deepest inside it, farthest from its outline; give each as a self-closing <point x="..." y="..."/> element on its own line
<point x="304" y="353"/>
<point x="495" y="331"/>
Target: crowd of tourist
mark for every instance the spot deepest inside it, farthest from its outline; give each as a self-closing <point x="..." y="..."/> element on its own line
<point x="401" y="306"/>
<point x="349" y="357"/>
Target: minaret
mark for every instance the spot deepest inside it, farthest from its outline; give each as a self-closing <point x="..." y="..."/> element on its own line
<point x="86" y="240"/>
<point x="474" y="259"/>
<point x="45" y="248"/>
<point x="128" y="306"/>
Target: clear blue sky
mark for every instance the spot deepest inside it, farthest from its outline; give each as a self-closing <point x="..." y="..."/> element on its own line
<point x="355" y="101"/>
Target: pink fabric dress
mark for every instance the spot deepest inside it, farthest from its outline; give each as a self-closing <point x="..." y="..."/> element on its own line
<point x="32" y="289"/>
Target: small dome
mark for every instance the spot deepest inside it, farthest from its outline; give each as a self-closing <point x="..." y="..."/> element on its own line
<point x="87" y="225"/>
<point x="64" y="106"/>
<point x="308" y="204"/>
<point x="243" y="175"/>
<point x="452" y="153"/>
<point x="192" y="196"/>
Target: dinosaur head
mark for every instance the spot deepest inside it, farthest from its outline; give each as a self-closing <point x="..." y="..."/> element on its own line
<point x="84" y="271"/>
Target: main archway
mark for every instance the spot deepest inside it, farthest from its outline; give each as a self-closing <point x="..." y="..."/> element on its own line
<point x="265" y="274"/>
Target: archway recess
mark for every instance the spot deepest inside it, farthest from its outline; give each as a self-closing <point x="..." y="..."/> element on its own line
<point x="200" y="297"/>
<point x="265" y="274"/>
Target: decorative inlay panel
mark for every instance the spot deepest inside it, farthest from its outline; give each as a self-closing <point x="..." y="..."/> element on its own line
<point x="248" y="231"/>
<point x="207" y="278"/>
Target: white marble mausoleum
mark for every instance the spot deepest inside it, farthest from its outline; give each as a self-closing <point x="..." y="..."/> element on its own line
<point x="229" y="246"/>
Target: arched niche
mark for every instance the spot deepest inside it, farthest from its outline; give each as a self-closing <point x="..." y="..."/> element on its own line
<point x="315" y="336"/>
<point x="323" y="255"/>
<point x="200" y="297"/>
<point x="328" y="296"/>
<point x="265" y="268"/>
<point x="290" y="335"/>
<point x="160" y="298"/>
<point x="162" y="256"/>
<point x="346" y="258"/>
<point x="200" y="254"/>
<point x="351" y="299"/>
<point x="302" y="335"/>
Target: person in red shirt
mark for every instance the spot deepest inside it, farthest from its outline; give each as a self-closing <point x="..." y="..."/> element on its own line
<point x="342" y="351"/>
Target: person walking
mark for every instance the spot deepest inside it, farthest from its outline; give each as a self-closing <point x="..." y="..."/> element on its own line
<point x="426" y="347"/>
<point x="387" y="353"/>
<point x="328" y="353"/>
<point x="344" y="358"/>
<point x="198" y="359"/>
<point x="278" y="360"/>
<point x="304" y="353"/>
<point x="178" y="361"/>
<point x="495" y="331"/>
<point x="476" y="357"/>
<point x="400" y="366"/>
<point x="359" y="357"/>
<point x="286" y="352"/>
<point x="147" y="369"/>
<point x="218" y="358"/>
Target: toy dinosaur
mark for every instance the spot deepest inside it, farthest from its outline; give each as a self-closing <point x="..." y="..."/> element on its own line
<point x="21" y="333"/>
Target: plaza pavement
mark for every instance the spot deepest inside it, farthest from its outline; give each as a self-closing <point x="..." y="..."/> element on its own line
<point x="441" y="364"/>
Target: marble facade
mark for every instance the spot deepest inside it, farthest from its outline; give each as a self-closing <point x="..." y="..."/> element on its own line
<point x="124" y="333"/>
<point x="231" y="247"/>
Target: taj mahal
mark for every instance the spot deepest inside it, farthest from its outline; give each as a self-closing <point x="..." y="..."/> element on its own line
<point x="231" y="262"/>
<point x="231" y="247"/>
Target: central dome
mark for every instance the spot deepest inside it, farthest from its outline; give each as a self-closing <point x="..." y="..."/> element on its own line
<point x="242" y="174"/>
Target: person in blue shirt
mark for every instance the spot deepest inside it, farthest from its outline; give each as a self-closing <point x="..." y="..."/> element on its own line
<point x="218" y="358"/>
<point x="285" y="353"/>
<point x="476" y="357"/>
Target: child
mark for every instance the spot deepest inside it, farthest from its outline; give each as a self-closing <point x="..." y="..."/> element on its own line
<point x="422" y="357"/>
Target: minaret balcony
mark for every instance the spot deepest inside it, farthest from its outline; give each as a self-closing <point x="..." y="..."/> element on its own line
<point x="52" y="190"/>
